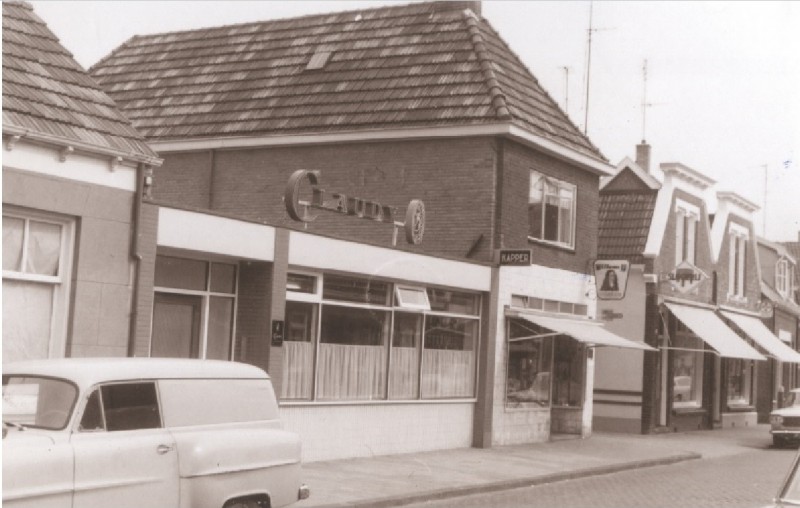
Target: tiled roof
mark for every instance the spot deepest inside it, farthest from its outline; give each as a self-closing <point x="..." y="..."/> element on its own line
<point x="419" y="65"/>
<point x="624" y="224"/>
<point x="48" y="95"/>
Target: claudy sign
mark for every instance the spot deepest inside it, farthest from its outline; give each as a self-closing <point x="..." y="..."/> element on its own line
<point x="298" y="210"/>
<point x="611" y="277"/>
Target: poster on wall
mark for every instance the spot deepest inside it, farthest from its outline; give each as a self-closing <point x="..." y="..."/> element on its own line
<point x="611" y="277"/>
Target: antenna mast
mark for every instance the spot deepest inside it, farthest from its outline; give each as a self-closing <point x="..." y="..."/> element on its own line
<point x="588" y="69"/>
<point x="566" y="89"/>
<point x="644" y="100"/>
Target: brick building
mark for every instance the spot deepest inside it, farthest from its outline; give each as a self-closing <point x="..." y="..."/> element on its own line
<point x="74" y="170"/>
<point x="692" y="292"/>
<point x="418" y="102"/>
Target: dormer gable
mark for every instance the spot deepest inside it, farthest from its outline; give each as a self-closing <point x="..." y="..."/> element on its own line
<point x="630" y="177"/>
<point x="734" y="248"/>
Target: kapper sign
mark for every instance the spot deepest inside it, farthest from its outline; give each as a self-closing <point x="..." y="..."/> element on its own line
<point x="611" y="277"/>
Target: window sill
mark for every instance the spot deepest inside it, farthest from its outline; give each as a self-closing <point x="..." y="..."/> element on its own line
<point x="553" y="245"/>
<point x="737" y="298"/>
<point x="312" y="403"/>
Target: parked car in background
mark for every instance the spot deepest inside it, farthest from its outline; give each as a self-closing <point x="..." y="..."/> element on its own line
<point x="785" y="421"/>
<point x="139" y="432"/>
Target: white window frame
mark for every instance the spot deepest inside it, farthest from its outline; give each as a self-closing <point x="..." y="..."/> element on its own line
<point x="61" y="283"/>
<point x="398" y="291"/>
<point x="737" y="261"/>
<point x="205" y="296"/>
<point x="559" y="184"/>
<point x="687" y="216"/>
<point x="783" y="277"/>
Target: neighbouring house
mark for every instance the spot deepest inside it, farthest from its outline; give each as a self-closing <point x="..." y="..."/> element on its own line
<point x="74" y="170"/>
<point x="691" y="292"/>
<point x="481" y="334"/>
<point x="781" y="314"/>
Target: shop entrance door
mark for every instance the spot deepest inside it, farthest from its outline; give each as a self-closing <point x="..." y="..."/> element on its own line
<point x="176" y="326"/>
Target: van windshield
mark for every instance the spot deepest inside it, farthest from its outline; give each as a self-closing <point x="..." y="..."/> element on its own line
<point x="40" y="402"/>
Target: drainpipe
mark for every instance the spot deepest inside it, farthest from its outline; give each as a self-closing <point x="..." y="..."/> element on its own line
<point x="143" y="179"/>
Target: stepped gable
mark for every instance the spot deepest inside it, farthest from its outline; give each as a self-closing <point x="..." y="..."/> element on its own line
<point x="48" y="96"/>
<point x="420" y="65"/>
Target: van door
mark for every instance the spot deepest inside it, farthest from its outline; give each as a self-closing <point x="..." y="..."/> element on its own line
<point x="124" y="457"/>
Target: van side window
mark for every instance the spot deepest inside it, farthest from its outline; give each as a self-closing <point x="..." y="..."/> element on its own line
<point x="131" y="406"/>
<point x="93" y="414"/>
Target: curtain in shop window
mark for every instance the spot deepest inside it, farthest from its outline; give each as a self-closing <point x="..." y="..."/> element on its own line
<point x="44" y="248"/>
<point x="403" y="373"/>
<point x="12" y="243"/>
<point x="27" y="320"/>
<point x="297" y="370"/>
<point x="447" y="373"/>
<point x="351" y="372"/>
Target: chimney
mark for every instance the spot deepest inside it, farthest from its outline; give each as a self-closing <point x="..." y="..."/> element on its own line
<point x="643" y="155"/>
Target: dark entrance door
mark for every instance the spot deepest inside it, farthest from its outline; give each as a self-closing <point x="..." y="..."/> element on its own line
<point x="176" y="326"/>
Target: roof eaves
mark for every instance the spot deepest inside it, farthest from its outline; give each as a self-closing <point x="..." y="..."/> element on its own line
<point x="496" y="94"/>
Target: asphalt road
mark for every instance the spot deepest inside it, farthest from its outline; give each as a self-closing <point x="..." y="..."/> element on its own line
<point x="747" y="480"/>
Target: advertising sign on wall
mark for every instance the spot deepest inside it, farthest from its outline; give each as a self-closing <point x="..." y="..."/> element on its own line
<point x="611" y="277"/>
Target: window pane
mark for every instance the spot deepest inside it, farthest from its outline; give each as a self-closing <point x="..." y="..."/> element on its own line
<point x="448" y="358"/>
<point x="220" y="325"/>
<point x="350" y="289"/>
<point x="404" y="365"/>
<point x="535" y="205"/>
<point x="412" y="297"/>
<point x="180" y="273"/>
<point x="551" y="213"/>
<point x="44" y="248"/>
<point x="568" y="368"/>
<point x="444" y="300"/>
<point x="739" y="381"/>
<point x="687" y="384"/>
<point x="12" y="243"/>
<point x="131" y="406"/>
<point x="352" y="353"/>
<point x="176" y="326"/>
<point x="93" y="415"/>
<point x="40" y="402"/>
<point x="528" y="374"/>
<point x="27" y="320"/>
<point x="223" y="278"/>
<point x="298" y="350"/>
<point x="565" y="222"/>
<point x="301" y="283"/>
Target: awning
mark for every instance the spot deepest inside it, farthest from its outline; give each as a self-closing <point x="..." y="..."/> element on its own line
<point x="588" y="332"/>
<point x="761" y="335"/>
<point x="709" y="327"/>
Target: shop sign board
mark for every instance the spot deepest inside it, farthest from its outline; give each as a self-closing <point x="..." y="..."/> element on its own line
<point x="686" y="277"/>
<point x="515" y="257"/>
<point x="611" y="277"/>
<point x="414" y="218"/>
<point x="277" y="333"/>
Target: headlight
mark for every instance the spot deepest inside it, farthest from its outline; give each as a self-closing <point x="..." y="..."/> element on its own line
<point x="775" y="419"/>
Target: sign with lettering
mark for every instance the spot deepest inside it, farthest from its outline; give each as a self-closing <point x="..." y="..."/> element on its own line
<point x="765" y="309"/>
<point x="611" y="277"/>
<point x="354" y="206"/>
<point x="518" y="257"/>
<point x="610" y="315"/>
<point x="277" y="333"/>
<point x="686" y="277"/>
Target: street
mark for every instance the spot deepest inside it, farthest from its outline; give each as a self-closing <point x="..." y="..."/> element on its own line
<point x="749" y="479"/>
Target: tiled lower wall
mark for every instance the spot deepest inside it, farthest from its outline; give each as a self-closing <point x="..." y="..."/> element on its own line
<point x="338" y="432"/>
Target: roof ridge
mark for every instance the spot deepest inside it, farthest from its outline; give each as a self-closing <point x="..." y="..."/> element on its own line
<point x="114" y="51"/>
<point x="495" y="92"/>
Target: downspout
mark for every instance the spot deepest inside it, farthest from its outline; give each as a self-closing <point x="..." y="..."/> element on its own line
<point x="143" y="172"/>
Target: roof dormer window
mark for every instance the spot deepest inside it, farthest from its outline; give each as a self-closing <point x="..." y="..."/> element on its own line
<point x="784" y="278"/>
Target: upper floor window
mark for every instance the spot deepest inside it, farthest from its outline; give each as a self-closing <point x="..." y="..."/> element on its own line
<point x="551" y="210"/>
<point x="686" y="218"/>
<point x="737" y="259"/>
<point x="784" y="278"/>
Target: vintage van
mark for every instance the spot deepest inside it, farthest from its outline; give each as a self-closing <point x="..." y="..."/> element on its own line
<point x="145" y="432"/>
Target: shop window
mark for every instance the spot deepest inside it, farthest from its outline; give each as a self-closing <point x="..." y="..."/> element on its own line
<point x="352" y="353"/>
<point x="686" y="219"/>
<point x="784" y="278"/>
<point x="737" y="259"/>
<point x="37" y="249"/>
<point x="528" y="368"/>
<point x="568" y="373"/>
<point x="687" y="375"/>
<point x="448" y="357"/>
<point x="422" y="346"/>
<point x="551" y="210"/>
<point x="739" y="381"/>
<point x="193" y="309"/>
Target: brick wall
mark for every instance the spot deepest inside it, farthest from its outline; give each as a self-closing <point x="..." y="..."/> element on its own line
<point x="518" y="162"/>
<point x="184" y="179"/>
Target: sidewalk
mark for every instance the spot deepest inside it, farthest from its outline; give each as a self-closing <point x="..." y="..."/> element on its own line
<point x="396" y="480"/>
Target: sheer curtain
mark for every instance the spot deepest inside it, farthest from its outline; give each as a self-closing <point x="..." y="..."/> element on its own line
<point x="447" y="373"/>
<point x="403" y="378"/>
<point x="297" y="370"/>
<point x="351" y="372"/>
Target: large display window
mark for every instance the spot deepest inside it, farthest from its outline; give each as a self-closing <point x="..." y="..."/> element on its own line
<point x="687" y="368"/>
<point x="353" y="338"/>
<point x="739" y="382"/>
<point x="528" y="373"/>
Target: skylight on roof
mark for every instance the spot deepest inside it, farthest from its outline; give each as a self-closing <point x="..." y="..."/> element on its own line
<point x="318" y="60"/>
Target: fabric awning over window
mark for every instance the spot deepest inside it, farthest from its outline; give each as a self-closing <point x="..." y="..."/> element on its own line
<point x="761" y="335"/>
<point x="588" y="332"/>
<point x="709" y="327"/>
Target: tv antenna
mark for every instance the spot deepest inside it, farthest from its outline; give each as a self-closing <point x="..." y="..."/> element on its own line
<point x="589" y="32"/>
<point x="566" y="89"/>
<point x="645" y="104"/>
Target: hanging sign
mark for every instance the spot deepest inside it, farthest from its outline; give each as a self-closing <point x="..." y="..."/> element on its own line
<point x="414" y="219"/>
<point x="686" y="277"/>
<point x="611" y="277"/>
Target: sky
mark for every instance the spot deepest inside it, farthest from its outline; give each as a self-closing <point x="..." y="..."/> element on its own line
<point x="722" y="85"/>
